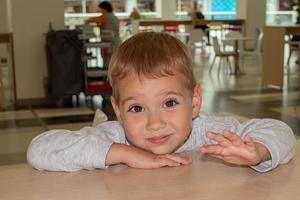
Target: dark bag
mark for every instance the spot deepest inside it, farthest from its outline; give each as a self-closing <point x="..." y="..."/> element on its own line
<point x="65" y="67"/>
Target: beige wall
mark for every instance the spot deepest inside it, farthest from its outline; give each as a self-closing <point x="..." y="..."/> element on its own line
<point x="255" y="17"/>
<point x="253" y="11"/>
<point x="30" y="20"/>
<point x="241" y="9"/>
<point x="166" y="9"/>
<point x="255" y="14"/>
<point x="3" y="25"/>
<point x="3" y="16"/>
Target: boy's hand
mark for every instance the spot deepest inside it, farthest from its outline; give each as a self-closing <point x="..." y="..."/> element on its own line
<point x="138" y="158"/>
<point x="232" y="149"/>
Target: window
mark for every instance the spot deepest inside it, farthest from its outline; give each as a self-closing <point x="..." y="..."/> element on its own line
<point x="76" y="11"/>
<point x="146" y="5"/>
<point x="216" y="9"/>
<point x="280" y="12"/>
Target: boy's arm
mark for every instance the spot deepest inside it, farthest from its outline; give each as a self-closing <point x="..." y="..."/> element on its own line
<point x="63" y="150"/>
<point x="138" y="158"/>
<point x="232" y="149"/>
<point x="97" y="20"/>
<point x="276" y="136"/>
<point x="265" y="143"/>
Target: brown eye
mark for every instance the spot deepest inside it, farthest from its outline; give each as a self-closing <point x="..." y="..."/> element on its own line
<point x="171" y="103"/>
<point x="136" y="109"/>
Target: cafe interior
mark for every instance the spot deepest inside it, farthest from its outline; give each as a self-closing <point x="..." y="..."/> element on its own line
<point x="246" y="60"/>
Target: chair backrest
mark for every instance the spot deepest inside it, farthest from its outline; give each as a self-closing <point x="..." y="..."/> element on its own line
<point x="216" y="45"/>
<point x="258" y="47"/>
<point x="196" y="35"/>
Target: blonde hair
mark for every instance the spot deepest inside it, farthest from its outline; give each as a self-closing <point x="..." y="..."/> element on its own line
<point x="151" y="55"/>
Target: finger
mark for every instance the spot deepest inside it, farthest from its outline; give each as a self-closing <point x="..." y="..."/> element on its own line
<point x="180" y="159"/>
<point x="212" y="149"/>
<point x="217" y="156"/>
<point x="164" y="161"/>
<point x="219" y="138"/>
<point x="229" y="159"/>
<point x="248" y="141"/>
<point x="232" y="137"/>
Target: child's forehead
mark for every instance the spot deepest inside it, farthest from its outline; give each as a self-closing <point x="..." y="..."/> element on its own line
<point x="144" y="84"/>
<point x="134" y="77"/>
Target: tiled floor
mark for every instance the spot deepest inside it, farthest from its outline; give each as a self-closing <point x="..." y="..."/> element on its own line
<point x="240" y="96"/>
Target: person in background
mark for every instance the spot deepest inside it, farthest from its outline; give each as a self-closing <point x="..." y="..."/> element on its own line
<point x="195" y="14"/>
<point x="107" y="21"/>
<point x="157" y="102"/>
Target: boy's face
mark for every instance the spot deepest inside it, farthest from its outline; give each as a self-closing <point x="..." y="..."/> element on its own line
<point x="156" y="114"/>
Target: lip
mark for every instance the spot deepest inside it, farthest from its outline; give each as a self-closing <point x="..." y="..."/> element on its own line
<point x="159" y="139"/>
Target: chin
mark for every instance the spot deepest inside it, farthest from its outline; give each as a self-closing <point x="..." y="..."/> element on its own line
<point x="161" y="151"/>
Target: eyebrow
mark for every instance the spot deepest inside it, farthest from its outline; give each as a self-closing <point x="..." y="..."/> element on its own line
<point x="171" y="93"/>
<point x="128" y="99"/>
<point x="165" y="93"/>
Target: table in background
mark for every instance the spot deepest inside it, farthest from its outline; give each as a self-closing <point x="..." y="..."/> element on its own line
<point x="137" y="24"/>
<point x="233" y="24"/>
<point x="236" y="40"/>
<point x="206" y="178"/>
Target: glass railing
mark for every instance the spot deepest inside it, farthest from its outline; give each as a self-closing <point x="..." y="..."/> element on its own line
<point x="209" y="15"/>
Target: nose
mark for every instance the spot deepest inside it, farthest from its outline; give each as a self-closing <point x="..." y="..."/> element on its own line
<point x="155" y="121"/>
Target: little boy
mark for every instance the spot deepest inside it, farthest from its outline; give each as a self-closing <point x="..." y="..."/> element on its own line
<point x="157" y="102"/>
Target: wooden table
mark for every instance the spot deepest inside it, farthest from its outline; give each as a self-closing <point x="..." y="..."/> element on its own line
<point x="206" y="178"/>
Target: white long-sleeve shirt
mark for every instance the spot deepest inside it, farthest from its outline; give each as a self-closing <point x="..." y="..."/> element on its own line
<point x="64" y="150"/>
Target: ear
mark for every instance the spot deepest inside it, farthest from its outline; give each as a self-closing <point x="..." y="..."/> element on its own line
<point x="116" y="108"/>
<point x="197" y="100"/>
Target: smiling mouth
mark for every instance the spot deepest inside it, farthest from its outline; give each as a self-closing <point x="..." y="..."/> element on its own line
<point x="159" y="139"/>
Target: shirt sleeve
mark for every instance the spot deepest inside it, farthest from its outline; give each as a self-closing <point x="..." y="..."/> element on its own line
<point x="275" y="135"/>
<point x="102" y="20"/>
<point x="64" y="150"/>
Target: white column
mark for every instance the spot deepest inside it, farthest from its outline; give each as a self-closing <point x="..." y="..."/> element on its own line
<point x="4" y="16"/>
<point x="254" y="12"/>
<point x="241" y="9"/>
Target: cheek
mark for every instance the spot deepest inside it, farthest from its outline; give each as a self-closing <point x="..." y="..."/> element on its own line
<point x="133" y="128"/>
<point x="183" y="123"/>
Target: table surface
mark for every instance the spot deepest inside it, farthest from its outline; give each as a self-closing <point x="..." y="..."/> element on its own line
<point x="207" y="178"/>
<point x="238" y="38"/>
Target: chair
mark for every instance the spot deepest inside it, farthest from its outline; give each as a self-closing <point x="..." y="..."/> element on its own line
<point x="196" y="37"/>
<point x="293" y="47"/>
<point x="221" y="54"/>
<point x="256" y="52"/>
